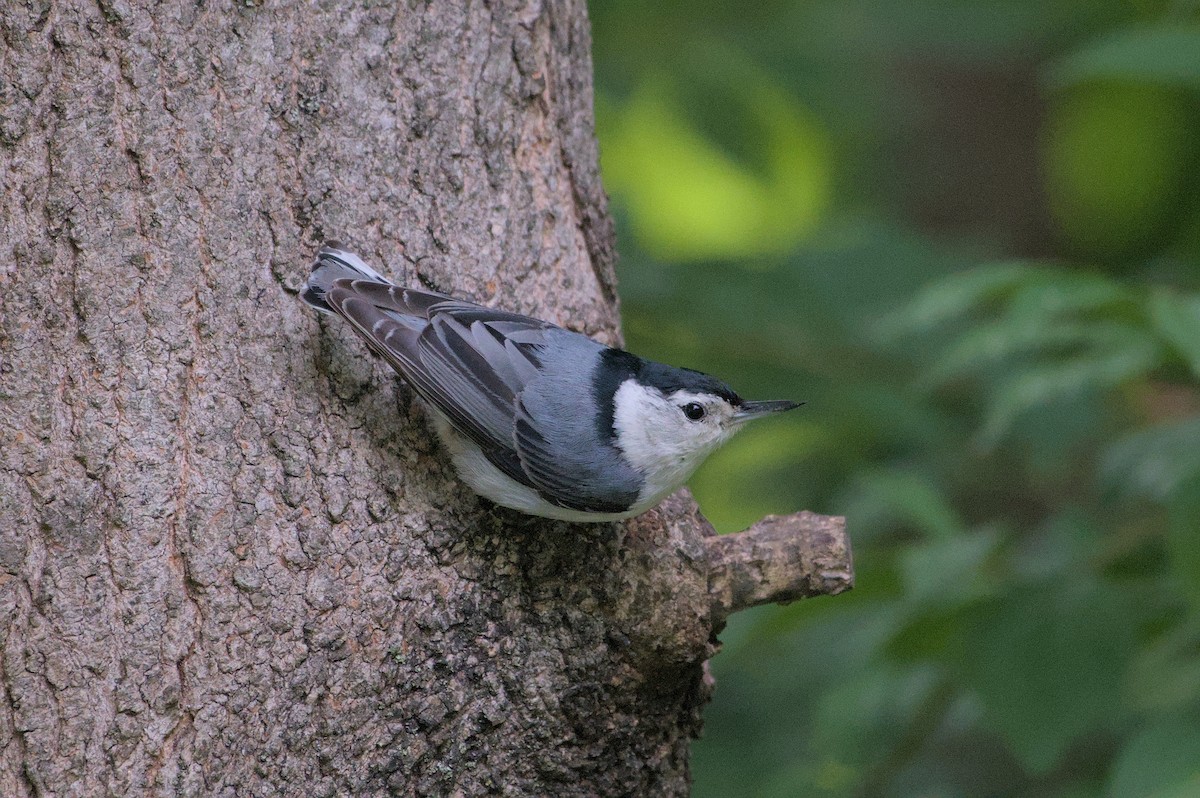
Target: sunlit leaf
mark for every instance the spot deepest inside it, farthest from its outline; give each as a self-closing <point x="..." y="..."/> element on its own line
<point x="689" y="199"/>
<point x="1118" y="166"/>
<point x="685" y="197"/>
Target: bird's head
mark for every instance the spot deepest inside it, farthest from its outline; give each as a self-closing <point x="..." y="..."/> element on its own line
<point x="666" y="421"/>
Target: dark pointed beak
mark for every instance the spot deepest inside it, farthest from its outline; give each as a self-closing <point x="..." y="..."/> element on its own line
<point x="752" y="410"/>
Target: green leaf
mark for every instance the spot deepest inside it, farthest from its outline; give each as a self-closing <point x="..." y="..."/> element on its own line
<point x="1188" y="788"/>
<point x="907" y="498"/>
<point x="1166" y="56"/>
<point x="1054" y="382"/>
<point x="1035" y="293"/>
<point x="1165" y="673"/>
<point x="1048" y="665"/>
<point x="1117" y="162"/>
<point x="1152" y="463"/>
<point x="954" y="297"/>
<point x="1063" y="544"/>
<point x="689" y="198"/>
<point x="1183" y="536"/>
<point x="927" y="635"/>
<point x="1177" y="319"/>
<point x="1014" y="338"/>
<point x="947" y="571"/>
<point x="1161" y="762"/>
<point x="1058" y="293"/>
<point x="861" y="719"/>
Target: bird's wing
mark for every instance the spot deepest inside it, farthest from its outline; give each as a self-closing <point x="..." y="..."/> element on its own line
<point x="468" y="361"/>
<point x="477" y="361"/>
<point x="518" y="378"/>
<point x="576" y="472"/>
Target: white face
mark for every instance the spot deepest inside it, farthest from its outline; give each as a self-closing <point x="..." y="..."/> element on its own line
<point x="667" y="437"/>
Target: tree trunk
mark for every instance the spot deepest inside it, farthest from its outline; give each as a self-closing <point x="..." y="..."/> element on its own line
<point x="233" y="558"/>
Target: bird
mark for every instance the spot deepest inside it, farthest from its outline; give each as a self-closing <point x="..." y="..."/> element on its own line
<point x="537" y="418"/>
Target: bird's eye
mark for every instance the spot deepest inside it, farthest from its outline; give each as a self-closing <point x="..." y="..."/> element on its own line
<point x="694" y="411"/>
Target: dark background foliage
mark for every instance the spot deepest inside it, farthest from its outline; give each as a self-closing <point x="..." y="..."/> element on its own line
<point x="968" y="235"/>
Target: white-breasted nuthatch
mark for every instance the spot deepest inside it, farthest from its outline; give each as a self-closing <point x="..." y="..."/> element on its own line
<point x="537" y="418"/>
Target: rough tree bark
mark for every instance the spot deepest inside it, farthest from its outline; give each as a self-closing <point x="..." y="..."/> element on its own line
<point x="233" y="560"/>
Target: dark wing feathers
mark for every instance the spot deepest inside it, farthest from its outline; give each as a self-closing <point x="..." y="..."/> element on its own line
<point x="397" y="342"/>
<point x="464" y="377"/>
<point x="397" y="299"/>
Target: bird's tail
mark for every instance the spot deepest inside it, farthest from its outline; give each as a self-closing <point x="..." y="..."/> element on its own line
<point x="335" y="263"/>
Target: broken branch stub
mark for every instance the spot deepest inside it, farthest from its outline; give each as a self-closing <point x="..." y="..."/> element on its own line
<point x="778" y="560"/>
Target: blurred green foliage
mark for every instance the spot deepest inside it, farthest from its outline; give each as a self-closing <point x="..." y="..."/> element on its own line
<point x="968" y="234"/>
